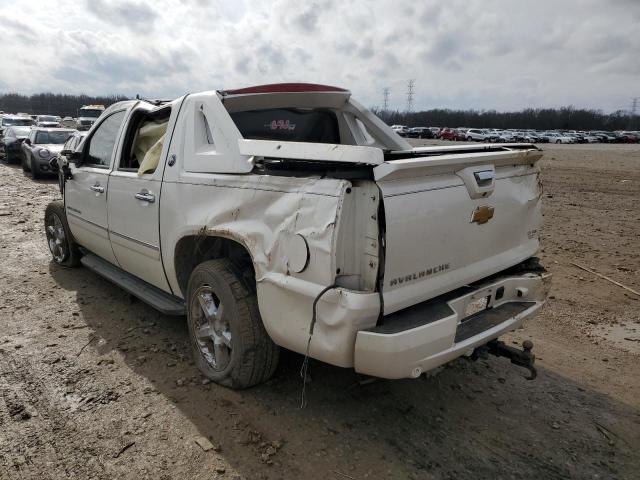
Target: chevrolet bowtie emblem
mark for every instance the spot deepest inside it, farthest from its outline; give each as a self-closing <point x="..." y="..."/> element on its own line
<point x="482" y="214"/>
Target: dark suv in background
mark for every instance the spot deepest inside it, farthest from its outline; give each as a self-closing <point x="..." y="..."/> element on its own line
<point x="11" y="141"/>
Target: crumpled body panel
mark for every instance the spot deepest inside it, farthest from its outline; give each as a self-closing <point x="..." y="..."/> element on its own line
<point x="263" y="213"/>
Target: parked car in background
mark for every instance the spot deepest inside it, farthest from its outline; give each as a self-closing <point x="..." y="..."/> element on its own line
<point x="435" y="131"/>
<point x="48" y="121"/>
<point x="574" y="136"/>
<point x="401" y="130"/>
<point x="11" y="141"/>
<point x="626" y="137"/>
<point x="541" y="138"/>
<point x="68" y="122"/>
<point x="460" y="134"/>
<point x="420" y="132"/>
<point x="555" y="137"/>
<point x="448" y="134"/>
<point x="590" y="138"/>
<point x="605" y="137"/>
<point x="475" y="135"/>
<point x="40" y="146"/>
<point x="87" y="115"/>
<point x="505" y="137"/>
<point x="14" y="120"/>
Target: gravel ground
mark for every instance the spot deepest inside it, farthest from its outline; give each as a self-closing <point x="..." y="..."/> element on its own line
<point x="95" y="384"/>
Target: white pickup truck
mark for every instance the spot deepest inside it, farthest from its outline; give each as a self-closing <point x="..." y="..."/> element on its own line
<point x="290" y="216"/>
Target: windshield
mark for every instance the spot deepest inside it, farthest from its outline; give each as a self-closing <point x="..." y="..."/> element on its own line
<point x="53" y="138"/>
<point x="16" y="121"/>
<point x="47" y="118"/>
<point x="91" y="113"/>
<point x="21" y="132"/>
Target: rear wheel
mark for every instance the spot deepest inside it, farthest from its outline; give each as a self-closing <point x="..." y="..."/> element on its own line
<point x="229" y="342"/>
<point x="63" y="248"/>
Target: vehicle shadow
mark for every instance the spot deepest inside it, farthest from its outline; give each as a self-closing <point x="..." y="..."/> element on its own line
<point x="472" y="420"/>
<point x="17" y="166"/>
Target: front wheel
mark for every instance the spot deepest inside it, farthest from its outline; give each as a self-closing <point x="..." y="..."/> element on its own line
<point x="63" y="248"/>
<point x="229" y="342"/>
<point x="558" y="141"/>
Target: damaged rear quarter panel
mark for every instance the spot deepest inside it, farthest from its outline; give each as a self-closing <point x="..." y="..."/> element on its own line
<point x="262" y="213"/>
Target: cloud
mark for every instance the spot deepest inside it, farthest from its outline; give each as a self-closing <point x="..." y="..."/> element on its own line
<point x="15" y="28"/>
<point x="366" y="50"/>
<point x="307" y="20"/>
<point x="484" y="54"/>
<point x="136" y="16"/>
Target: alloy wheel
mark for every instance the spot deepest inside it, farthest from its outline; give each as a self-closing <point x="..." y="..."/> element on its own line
<point x="211" y="327"/>
<point x="57" y="239"/>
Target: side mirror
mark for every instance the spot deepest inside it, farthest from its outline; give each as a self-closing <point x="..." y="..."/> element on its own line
<point x="27" y="141"/>
<point x="73" y="156"/>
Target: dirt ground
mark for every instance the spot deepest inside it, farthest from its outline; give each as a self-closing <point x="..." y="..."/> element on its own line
<point x="95" y="384"/>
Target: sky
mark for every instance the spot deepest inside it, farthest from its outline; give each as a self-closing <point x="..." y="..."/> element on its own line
<point x="482" y="54"/>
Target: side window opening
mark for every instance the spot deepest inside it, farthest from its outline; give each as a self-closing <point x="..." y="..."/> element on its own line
<point x="144" y="141"/>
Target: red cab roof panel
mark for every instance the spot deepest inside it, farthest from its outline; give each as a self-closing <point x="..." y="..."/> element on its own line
<point x="285" y="88"/>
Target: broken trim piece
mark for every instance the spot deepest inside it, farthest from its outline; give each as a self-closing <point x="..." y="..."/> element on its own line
<point x="328" y="152"/>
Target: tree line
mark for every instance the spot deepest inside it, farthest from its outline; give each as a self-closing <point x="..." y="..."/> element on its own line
<point x="52" y="103"/>
<point x="565" y="118"/>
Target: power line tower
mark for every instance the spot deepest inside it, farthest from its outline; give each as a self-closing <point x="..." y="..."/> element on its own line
<point x="410" y="92"/>
<point x="385" y="96"/>
<point x="633" y="120"/>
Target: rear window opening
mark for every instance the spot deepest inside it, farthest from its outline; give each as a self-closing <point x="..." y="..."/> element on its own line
<point x="316" y="125"/>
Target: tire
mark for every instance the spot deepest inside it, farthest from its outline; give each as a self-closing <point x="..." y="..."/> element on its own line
<point x="233" y="350"/>
<point x="558" y="141"/>
<point x="23" y="161"/>
<point x="63" y="248"/>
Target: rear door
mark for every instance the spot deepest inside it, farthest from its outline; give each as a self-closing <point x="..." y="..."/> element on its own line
<point x="455" y="219"/>
<point x="134" y="194"/>
<point x="86" y="190"/>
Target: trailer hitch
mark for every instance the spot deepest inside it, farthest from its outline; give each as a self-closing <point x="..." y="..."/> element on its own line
<point x="522" y="358"/>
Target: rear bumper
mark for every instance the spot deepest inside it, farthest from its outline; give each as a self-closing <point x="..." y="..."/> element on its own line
<point x="435" y="332"/>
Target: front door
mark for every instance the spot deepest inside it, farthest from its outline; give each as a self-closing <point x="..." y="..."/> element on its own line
<point x="86" y="190"/>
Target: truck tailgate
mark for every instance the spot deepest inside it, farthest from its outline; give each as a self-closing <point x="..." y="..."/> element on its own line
<point x="455" y="218"/>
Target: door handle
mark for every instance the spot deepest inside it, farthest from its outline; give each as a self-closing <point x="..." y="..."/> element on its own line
<point x="145" y="196"/>
<point x="96" y="188"/>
